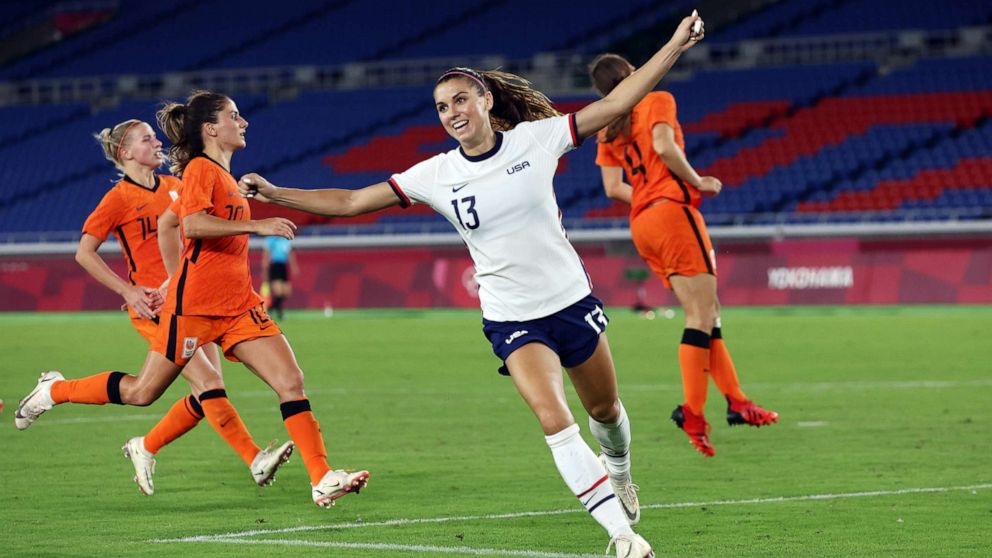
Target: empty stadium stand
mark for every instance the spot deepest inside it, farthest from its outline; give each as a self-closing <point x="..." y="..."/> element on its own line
<point x="906" y="139"/>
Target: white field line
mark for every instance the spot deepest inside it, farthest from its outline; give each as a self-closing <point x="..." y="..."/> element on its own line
<point x="433" y="550"/>
<point x="413" y="521"/>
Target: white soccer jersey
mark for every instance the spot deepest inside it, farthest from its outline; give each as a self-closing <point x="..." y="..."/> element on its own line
<point x="503" y="205"/>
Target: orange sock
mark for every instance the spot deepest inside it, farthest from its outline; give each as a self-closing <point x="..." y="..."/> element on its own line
<point x="305" y="432"/>
<point x="181" y="418"/>
<point x="722" y="368"/>
<point x="227" y="422"/>
<point x="694" y="359"/>
<point x="98" y="389"/>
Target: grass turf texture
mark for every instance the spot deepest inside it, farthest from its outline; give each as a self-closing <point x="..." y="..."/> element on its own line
<point x="872" y="399"/>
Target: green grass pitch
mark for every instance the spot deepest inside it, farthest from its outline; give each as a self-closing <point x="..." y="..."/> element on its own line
<point x="883" y="449"/>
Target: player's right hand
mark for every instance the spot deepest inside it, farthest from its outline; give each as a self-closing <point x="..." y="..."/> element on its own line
<point x="144" y="301"/>
<point x="710" y="186"/>
<point x="256" y="187"/>
<point x="276" y="226"/>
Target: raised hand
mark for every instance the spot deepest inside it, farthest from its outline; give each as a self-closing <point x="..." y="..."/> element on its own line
<point x="689" y="32"/>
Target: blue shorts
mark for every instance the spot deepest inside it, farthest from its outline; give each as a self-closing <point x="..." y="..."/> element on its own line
<point x="572" y="333"/>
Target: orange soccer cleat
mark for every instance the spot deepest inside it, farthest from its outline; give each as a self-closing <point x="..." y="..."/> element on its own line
<point x="696" y="427"/>
<point x="746" y="412"/>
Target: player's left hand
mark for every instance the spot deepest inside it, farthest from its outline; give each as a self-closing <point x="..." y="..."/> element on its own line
<point x="710" y="186"/>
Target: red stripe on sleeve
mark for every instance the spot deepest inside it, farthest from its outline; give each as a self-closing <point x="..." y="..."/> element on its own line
<point x="574" y="129"/>
<point x="404" y="201"/>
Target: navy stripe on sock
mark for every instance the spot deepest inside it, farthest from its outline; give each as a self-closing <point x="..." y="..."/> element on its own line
<point x="212" y="394"/>
<point x="607" y="451"/>
<point x="114" y="387"/>
<point x="291" y="408"/>
<point x="717" y="334"/>
<point x="599" y="503"/>
<point x="696" y="338"/>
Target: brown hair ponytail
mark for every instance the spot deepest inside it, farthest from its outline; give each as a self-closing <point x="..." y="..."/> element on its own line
<point x="182" y="124"/>
<point x="607" y="71"/>
<point x="514" y="98"/>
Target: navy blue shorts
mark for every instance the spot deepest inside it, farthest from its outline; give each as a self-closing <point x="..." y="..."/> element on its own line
<point x="572" y="333"/>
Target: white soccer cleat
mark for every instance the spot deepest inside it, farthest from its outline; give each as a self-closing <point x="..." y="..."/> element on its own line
<point x="630" y="545"/>
<point x="626" y="492"/>
<point x="336" y="484"/>
<point x="267" y="462"/>
<point x="38" y="401"/>
<point x="144" y="464"/>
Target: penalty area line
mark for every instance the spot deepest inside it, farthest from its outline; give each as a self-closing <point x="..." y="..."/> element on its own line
<point x="240" y="536"/>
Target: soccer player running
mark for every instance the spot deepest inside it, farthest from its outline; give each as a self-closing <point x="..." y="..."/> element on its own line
<point x="537" y="305"/>
<point x="130" y="210"/>
<point x="212" y="299"/>
<point x="668" y="230"/>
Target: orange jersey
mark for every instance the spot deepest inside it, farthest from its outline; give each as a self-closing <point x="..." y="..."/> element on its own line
<point x="131" y="212"/>
<point x="647" y="174"/>
<point x="213" y="278"/>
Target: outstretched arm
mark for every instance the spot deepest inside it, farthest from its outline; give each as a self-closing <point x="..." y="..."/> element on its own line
<point x="331" y="202"/>
<point x="597" y="115"/>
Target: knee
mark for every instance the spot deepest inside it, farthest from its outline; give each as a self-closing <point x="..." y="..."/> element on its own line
<point x="607" y="411"/>
<point x="139" y="396"/>
<point x="289" y="384"/>
<point x="701" y="317"/>
<point x="554" y="422"/>
<point x="199" y="386"/>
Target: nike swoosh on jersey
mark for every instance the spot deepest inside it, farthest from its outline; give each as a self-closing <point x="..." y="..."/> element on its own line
<point x="456" y="188"/>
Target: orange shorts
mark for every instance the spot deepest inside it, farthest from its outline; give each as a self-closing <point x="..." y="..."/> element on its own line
<point x="672" y="239"/>
<point x="146" y="328"/>
<point x="180" y="336"/>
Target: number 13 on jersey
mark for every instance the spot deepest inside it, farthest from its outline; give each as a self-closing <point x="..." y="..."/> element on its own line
<point x="471" y="219"/>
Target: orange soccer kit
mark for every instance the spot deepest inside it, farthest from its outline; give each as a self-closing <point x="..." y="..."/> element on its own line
<point x="130" y="211"/>
<point x="670" y="234"/>
<point x="211" y="299"/>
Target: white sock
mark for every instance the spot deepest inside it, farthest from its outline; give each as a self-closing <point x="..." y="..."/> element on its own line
<point x="614" y="439"/>
<point x="587" y="479"/>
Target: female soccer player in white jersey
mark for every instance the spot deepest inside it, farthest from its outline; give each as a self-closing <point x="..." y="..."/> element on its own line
<point x="537" y="305"/>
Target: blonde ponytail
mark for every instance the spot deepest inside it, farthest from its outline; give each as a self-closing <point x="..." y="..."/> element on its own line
<point x="113" y="140"/>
